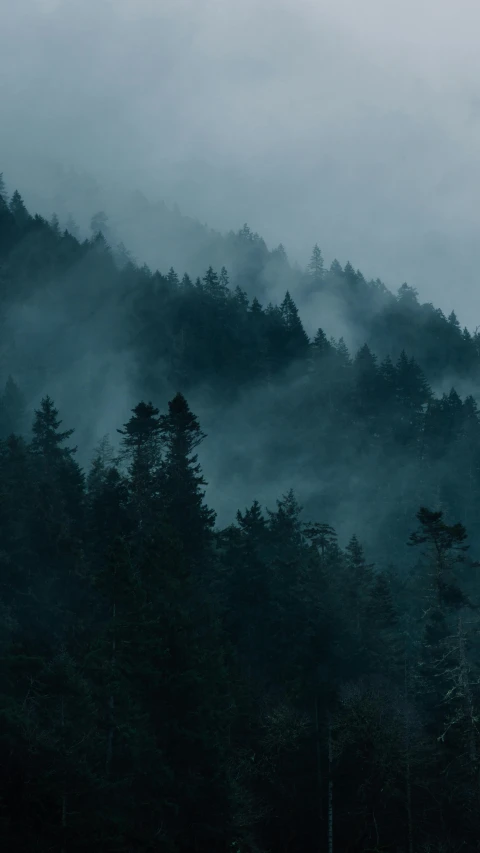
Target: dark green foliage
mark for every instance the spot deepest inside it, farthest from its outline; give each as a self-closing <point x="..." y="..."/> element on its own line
<point x="182" y="480"/>
<point x="316" y="267"/>
<point x="166" y="685"/>
<point x="297" y="339"/>
<point x="18" y="210"/>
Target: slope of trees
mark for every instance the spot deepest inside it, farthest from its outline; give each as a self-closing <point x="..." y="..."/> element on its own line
<point x="171" y="684"/>
<point x="168" y="685"/>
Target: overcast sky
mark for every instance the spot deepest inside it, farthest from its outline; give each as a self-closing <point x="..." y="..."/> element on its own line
<point x="354" y="124"/>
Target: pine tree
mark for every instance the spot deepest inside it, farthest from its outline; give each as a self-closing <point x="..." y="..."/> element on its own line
<point x="252" y="521"/>
<point x="18" y="210"/>
<point x="140" y="442"/>
<point x="297" y="337"/>
<point x="172" y="278"/>
<point x="109" y="514"/>
<point x="365" y="361"/>
<point x="445" y="554"/>
<point x="316" y="269"/>
<point x="55" y="225"/>
<point x="287" y="557"/>
<point x="214" y="286"/>
<point x="57" y="470"/>
<point x="47" y="441"/>
<point x="322" y="536"/>
<point x="186" y="283"/>
<point x="336" y="270"/>
<point x="141" y="448"/>
<point x="321" y="344"/>
<point x="224" y="280"/>
<point x="183" y="480"/>
<point x="255" y="308"/>
<point x="413" y="394"/>
<point x="245" y="233"/>
<point x="407" y="296"/>
<point x="55" y="526"/>
<point x="452" y="319"/>
<point x="241" y="298"/>
<point x="246" y="591"/>
<point x="350" y="275"/>
<point x="285" y="524"/>
<point x="367" y="381"/>
<point x="388" y="378"/>
<point x="343" y="356"/>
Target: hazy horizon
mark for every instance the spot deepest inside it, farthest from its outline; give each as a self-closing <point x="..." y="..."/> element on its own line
<point x="354" y="128"/>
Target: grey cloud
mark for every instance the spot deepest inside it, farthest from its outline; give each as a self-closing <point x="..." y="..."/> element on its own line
<point x="352" y="124"/>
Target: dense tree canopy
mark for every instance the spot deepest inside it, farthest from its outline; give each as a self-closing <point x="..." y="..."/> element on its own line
<point x="302" y="678"/>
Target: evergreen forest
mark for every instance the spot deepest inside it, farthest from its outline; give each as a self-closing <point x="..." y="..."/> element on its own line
<point x="185" y="668"/>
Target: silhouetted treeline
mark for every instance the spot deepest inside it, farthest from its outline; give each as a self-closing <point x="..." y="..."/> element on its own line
<point x="171" y="686"/>
<point x="211" y="329"/>
<point x="365" y="429"/>
<point x="168" y="684"/>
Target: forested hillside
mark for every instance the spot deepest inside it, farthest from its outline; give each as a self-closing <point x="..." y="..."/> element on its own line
<point x="285" y="659"/>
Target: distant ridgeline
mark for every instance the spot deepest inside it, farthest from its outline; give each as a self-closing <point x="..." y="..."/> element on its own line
<point x="168" y="685"/>
<point x="366" y="427"/>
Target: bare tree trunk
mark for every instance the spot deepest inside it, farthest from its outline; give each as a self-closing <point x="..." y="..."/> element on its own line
<point x="330" y="787"/>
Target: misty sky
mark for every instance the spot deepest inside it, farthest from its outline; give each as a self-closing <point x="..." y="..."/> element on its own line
<point x="354" y="124"/>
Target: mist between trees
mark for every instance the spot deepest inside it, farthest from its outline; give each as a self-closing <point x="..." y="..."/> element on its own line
<point x="179" y="674"/>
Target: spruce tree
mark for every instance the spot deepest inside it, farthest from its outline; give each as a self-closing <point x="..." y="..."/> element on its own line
<point x="212" y="284"/>
<point x="141" y="449"/>
<point x="321" y="345"/>
<point x="47" y="441"/>
<point x="172" y="278"/>
<point x="342" y="354"/>
<point x="182" y="479"/>
<point x="18" y="210"/>
<point x="58" y="474"/>
<point x="316" y="268"/>
<point x="241" y="298"/>
<point x="336" y="271"/>
<point x="297" y="338"/>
